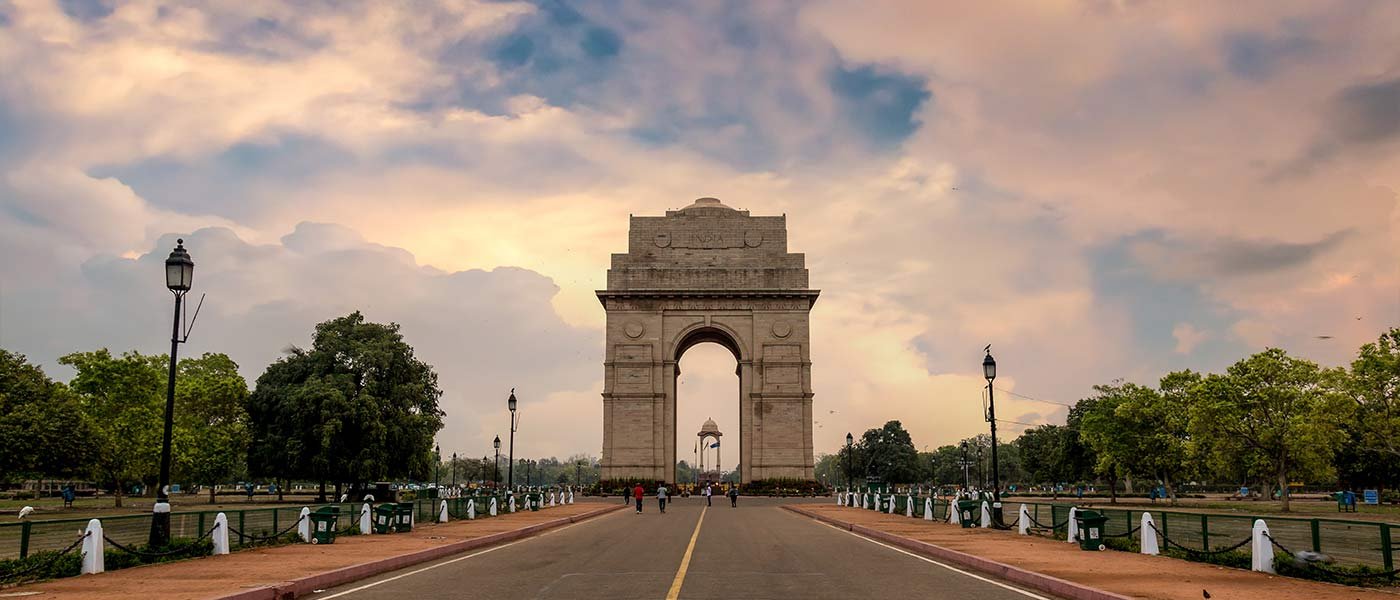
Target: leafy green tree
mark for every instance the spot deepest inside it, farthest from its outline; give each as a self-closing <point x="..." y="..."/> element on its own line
<point x="887" y="453"/>
<point x="211" y="424"/>
<point x="357" y="407"/>
<point x="1139" y="431"/>
<point x="43" y="431"/>
<point x="1373" y="384"/>
<point x="124" y="400"/>
<point x="1272" y="411"/>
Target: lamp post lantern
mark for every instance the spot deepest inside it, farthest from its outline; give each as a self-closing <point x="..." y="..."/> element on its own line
<point x="179" y="276"/>
<point x="989" y="370"/>
<point x="496" y="473"/>
<point x="510" y="467"/>
<point x="850" y="479"/>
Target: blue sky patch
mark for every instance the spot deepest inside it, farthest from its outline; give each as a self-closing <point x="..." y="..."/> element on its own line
<point x="880" y="104"/>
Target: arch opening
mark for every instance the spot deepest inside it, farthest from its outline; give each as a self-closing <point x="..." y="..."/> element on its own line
<point x="708" y="426"/>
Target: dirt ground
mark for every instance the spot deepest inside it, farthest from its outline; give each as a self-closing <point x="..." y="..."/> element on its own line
<point x="1130" y="574"/>
<point x="218" y="575"/>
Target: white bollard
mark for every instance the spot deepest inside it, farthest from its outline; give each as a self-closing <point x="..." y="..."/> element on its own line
<point x="471" y="508"/>
<point x="840" y="499"/>
<point x="953" y="516"/>
<point x="1261" y="549"/>
<point x="220" y="535"/>
<point x="92" y="549"/>
<point x="986" y="515"/>
<point x="1023" y="521"/>
<point x="571" y="496"/>
<point x="863" y="501"/>
<point x="442" y="512"/>
<point x="512" y="503"/>
<point x="908" y="505"/>
<point x="304" y="525"/>
<point x="928" y="509"/>
<point x="1073" y="526"/>
<point x="1147" y="534"/>
<point x="366" y="526"/>
<point x="493" y="506"/>
<point x="890" y="499"/>
<point x="551" y="498"/>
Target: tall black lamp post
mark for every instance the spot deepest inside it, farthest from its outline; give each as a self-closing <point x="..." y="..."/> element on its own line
<point x="179" y="274"/>
<point x="510" y="467"/>
<point x="989" y="370"/>
<point x="496" y="473"/>
<point x="437" y="468"/>
<point x="850" y="479"/>
<point x="454" y="471"/>
<point x="965" y="463"/>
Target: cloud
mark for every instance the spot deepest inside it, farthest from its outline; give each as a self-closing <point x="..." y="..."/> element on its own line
<point x="1187" y="337"/>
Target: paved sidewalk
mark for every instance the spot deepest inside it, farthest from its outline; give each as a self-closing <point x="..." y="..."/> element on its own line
<point x="1125" y="573"/>
<point x="255" y="573"/>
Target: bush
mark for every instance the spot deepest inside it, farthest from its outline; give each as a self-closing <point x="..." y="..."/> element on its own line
<point x="1121" y="544"/>
<point x="39" y="566"/>
<point x="1347" y="575"/>
<point x="783" y="487"/>
<point x="1239" y="559"/>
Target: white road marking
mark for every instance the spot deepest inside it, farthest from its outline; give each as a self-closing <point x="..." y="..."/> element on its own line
<point x="931" y="561"/>
<point x="461" y="558"/>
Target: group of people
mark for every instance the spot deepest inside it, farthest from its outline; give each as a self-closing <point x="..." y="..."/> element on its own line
<point x="662" y="495"/>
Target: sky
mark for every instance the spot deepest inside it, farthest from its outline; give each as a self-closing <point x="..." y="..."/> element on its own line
<point x="1099" y="189"/>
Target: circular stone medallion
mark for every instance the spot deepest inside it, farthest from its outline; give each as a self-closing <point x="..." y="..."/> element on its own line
<point x="633" y="329"/>
<point x="753" y="239"/>
<point x="662" y="240"/>
<point x="782" y="329"/>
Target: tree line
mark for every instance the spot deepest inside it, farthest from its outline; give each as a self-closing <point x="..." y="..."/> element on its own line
<point x="354" y="408"/>
<point x="1269" y="421"/>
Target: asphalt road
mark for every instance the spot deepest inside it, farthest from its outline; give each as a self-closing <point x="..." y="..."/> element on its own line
<point x="754" y="551"/>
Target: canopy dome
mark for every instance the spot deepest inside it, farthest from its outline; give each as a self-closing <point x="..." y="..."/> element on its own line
<point x="709" y="428"/>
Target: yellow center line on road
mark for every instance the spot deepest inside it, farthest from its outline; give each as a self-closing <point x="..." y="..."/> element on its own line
<point x="675" y="592"/>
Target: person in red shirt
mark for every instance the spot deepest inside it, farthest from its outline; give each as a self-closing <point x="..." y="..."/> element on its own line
<point x="638" y="493"/>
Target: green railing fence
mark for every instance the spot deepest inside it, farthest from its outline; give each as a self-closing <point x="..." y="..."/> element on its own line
<point x="1369" y="543"/>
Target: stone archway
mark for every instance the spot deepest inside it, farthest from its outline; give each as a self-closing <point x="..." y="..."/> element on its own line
<point x="707" y="273"/>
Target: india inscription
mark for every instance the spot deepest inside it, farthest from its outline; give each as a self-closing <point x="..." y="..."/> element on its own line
<point x="707" y="273"/>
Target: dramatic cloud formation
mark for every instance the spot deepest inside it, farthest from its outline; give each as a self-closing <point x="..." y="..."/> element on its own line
<point x="1100" y="189"/>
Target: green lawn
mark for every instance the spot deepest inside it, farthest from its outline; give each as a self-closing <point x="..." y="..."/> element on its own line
<point x="1305" y="508"/>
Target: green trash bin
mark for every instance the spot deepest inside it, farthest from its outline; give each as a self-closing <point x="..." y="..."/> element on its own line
<point x="968" y="513"/>
<point x="1091" y="525"/>
<point x="323" y="522"/>
<point x="534" y="500"/>
<point x="384" y="517"/>
<point x="404" y="521"/>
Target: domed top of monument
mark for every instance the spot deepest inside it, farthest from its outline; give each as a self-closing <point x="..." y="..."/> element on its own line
<point x="706" y="205"/>
<point x="709" y="428"/>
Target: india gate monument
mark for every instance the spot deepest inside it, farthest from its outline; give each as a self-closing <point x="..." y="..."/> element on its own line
<point x="707" y="273"/>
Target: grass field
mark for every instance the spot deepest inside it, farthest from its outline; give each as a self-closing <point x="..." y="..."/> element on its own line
<point x="1301" y="507"/>
<point x="52" y="508"/>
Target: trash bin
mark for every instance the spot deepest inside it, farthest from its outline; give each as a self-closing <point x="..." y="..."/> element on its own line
<point x="1091" y="525"/>
<point x="384" y="518"/>
<point x="323" y="522"/>
<point x="404" y="522"/>
<point x="968" y="514"/>
<point x="534" y="500"/>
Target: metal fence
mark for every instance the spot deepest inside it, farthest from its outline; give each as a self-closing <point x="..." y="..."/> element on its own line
<point x="18" y="540"/>
<point x="1351" y="542"/>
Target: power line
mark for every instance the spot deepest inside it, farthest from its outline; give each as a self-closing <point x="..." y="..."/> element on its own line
<point x="1023" y="396"/>
<point x="1019" y="423"/>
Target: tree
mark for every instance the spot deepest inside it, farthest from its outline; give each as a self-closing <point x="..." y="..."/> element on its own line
<point x="1140" y="432"/>
<point x="1373" y="384"/>
<point x="43" y="431"/>
<point x="1272" y="410"/>
<point x="124" y="400"/>
<point x="887" y="453"/>
<point x="211" y="423"/>
<point x="357" y="407"/>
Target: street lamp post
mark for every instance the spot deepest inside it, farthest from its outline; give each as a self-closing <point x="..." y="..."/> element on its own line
<point x="510" y="468"/>
<point x="965" y="463"/>
<point x="850" y="479"/>
<point x="529" y="472"/>
<point x="437" y="468"/>
<point x="989" y="370"/>
<point x="454" y="471"/>
<point x="179" y="274"/>
<point x="496" y="473"/>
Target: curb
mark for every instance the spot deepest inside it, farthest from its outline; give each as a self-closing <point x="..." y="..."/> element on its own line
<point x="296" y="588"/>
<point x="1031" y="579"/>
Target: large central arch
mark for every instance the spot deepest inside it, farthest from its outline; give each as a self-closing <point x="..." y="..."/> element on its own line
<point x="707" y="273"/>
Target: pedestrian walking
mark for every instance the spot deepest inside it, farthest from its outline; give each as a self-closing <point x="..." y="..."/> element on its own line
<point x="734" y="496"/>
<point x="638" y="493"/>
<point x="661" y="497"/>
<point x="708" y="493"/>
